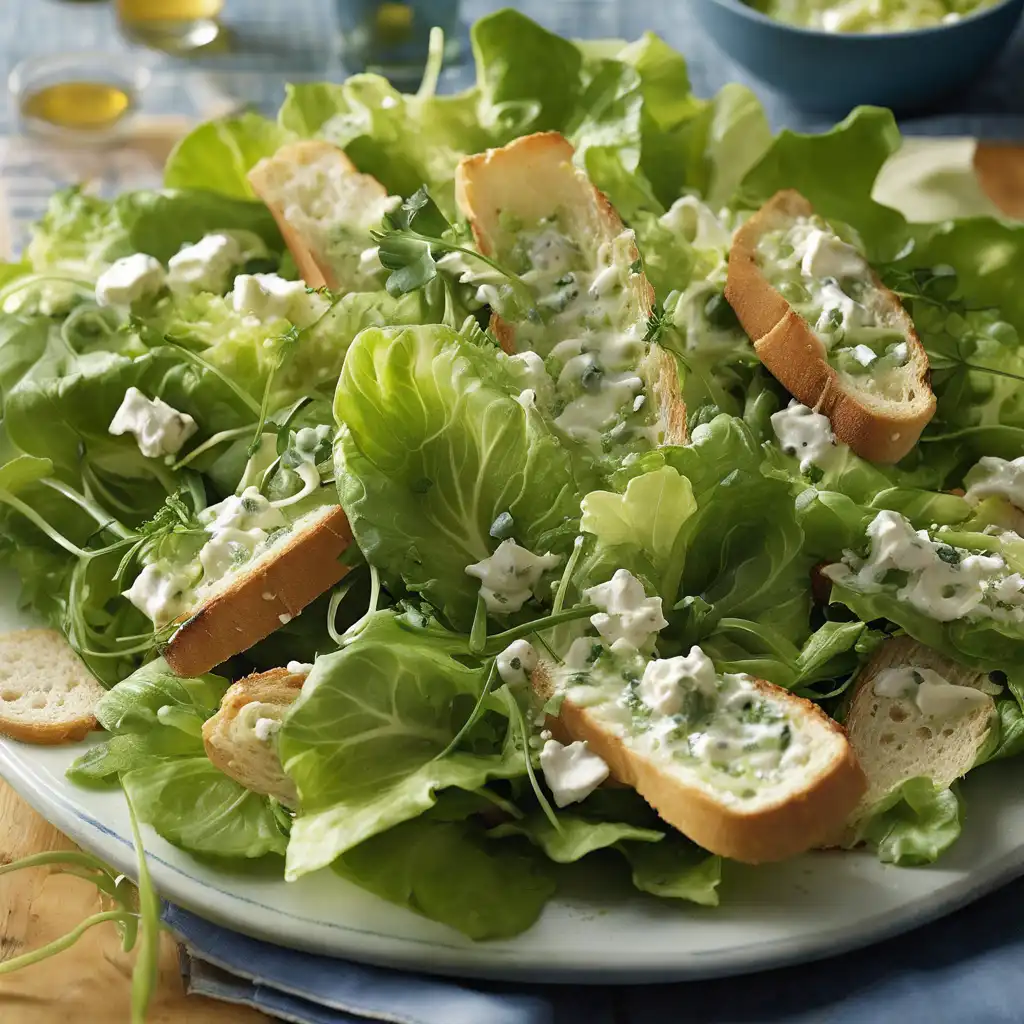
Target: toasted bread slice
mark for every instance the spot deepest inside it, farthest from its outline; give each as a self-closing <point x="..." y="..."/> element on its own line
<point x="243" y="608"/>
<point x="534" y="178"/>
<point x="47" y="695"/>
<point x="877" y="427"/>
<point x="232" y="737"/>
<point x="895" y="740"/>
<point x="325" y="209"/>
<point x="790" y="814"/>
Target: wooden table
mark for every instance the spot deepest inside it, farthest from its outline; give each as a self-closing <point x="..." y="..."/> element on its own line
<point x="90" y="982"/>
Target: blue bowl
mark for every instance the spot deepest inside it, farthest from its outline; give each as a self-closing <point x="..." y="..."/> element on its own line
<point x="832" y="72"/>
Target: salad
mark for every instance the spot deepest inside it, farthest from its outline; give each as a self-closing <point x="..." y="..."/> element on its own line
<point x="521" y="520"/>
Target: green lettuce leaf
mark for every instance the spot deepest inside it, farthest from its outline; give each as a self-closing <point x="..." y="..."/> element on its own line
<point x="362" y="742"/>
<point x="450" y="872"/>
<point x="219" y="154"/>
<point x="576" y="836"/>
<point x="433" y="448"/>
<point x="914" y="824"/>
<point x="155" y="749"/>
<point x="836" y="171"/>
<point x="195" y="806"/>
<point x="675" y="869"/>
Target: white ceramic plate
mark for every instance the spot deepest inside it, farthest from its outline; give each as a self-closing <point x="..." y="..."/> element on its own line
<point x="814" y="906"/>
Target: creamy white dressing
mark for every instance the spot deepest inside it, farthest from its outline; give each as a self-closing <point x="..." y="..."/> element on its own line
<point x="299" y="668"/>
<point x="997" y="478"/>
<point x="697" y="223"/>
<point x="205" y="266"/>
<point x="163" y="592"/>
<point x="680" y="709"/>
<point x="509" y="577"/>
<point x="130" y="279"/>
<point x="572" y="772"/>
<point x="237" y="527"/>
<point x="271" y="297"/>
<point x="941" y="581"/>
<point x="932" y="695"/>
<point x="159" y="429"/>
<point x="516" y="662"/>
<point x="806" y="434"/>
<point x="627" y="615"/>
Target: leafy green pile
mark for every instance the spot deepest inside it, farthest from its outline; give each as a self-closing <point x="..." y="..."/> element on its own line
<point x="415" y="765"/>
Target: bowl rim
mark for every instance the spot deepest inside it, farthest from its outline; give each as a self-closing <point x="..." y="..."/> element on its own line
<point x="745" y="10"/>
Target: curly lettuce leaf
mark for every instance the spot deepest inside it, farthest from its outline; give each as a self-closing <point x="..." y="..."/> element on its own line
<point x="914" y="824"/>
<point x="433" y="448"/>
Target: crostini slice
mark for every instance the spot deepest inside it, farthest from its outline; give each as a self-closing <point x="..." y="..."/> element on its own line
<point x="240" y="609"/>
<point x="47" y="694"/>
<point x="743" y="768"/>
<point x="827" y="328"/>
<point x="533" y="211"/>
<point x="325" y="209"/>
<point x="915" y="713"/>
<point x="241" y="738"/>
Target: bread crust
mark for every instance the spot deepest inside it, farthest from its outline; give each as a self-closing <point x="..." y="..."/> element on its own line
<point x="236" y="618"/>
<point x="314" y="267"/>
<point x="533" y="177"/>
<point x="69" y="730"/>
<point x="772" y="833"/>
<point x="788" y="347"/>
<point x="276" y="686"/>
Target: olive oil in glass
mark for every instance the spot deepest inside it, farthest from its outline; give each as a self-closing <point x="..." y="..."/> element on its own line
<point x="172" y="25"/>
<point x="80" y="106"/>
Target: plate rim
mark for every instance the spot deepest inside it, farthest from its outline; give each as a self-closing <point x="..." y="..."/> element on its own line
<point x="484" y="960"/>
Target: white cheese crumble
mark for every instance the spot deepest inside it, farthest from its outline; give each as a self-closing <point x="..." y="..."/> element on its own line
<point x="129" y="279"/>
<point x="516" y="662"/>
<point x="807" y="435"/>
<point x="299" y="668"/>
<point x="572" y="772"/>
<point x="627" y="615"/>
<point x="159" y="428"/>
<point x="823" y="254"/>
<point x="237" y="526"/>
<point x="162" y="592"/>
<point x="270" y="297"/>
<point x="942" y="582"/>
<point x="997" y="478"/>
<point x="509" y="576"/>
<point x="930" y="693"/>
<point x="205" y="266"/>
<point x="666" y="680"/>
<point x="265" y="728"/>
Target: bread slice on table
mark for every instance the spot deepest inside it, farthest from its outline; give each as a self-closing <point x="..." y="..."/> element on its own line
<point x="534" y="178"/>
<point x="244" y="607"/>
<point x="325" y="209"/>
<point x="791" y="814"/>
<point x="895" y="741"/>
<point x="233" y="743"/>
<point x="876" y="427"/>
<point x="47" y="695"/>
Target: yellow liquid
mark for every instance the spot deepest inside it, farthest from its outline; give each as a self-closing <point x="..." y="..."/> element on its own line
<point x="86" y="106"/>
<point x="136" y="11"/>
